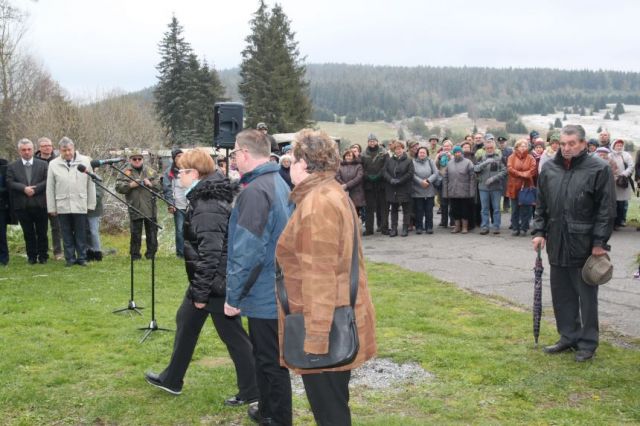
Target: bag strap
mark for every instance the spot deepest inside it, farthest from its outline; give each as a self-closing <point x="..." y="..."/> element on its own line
<point x="355" y="262"/>
<point x="355" y="274"/>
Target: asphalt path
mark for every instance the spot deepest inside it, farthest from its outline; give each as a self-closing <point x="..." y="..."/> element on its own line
<point x="502" y="265"/>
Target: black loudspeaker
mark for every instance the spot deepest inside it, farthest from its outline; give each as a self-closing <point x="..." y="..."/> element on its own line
<point x="227" y="123"/>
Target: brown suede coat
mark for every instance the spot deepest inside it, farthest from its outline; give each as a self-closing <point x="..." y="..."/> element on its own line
<point x="522" y="169"/>
<point x="314" y="251"/>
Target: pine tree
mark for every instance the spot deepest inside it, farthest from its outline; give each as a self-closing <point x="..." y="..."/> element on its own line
<point x="599" y="129"/>
<point x="273" y="84"/>
<point x="173" y="82"/>
<point x="607" y="116"/>
<point x="186" y="91"/>
<point x="615" y="117"/>
<point x="565" y="117"/>
<point x="558" y="124"/>
<point x="619" y="109"/>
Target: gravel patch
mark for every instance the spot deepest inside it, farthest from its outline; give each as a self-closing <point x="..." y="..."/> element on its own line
<point x="378" y="373"/>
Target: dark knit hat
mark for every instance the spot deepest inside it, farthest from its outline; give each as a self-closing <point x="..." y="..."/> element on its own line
<point x="175" y="152"/>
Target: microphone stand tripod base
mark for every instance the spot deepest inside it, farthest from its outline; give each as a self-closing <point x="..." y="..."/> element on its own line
<point x="130" y="307"/>
<point x="153" y="326"/>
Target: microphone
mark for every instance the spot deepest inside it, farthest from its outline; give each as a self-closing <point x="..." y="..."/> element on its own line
<point x="98" y="163"/>
<point x="83" y="169"/>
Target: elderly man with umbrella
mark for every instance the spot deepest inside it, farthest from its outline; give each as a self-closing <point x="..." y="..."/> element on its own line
<point x="574" y="217"/>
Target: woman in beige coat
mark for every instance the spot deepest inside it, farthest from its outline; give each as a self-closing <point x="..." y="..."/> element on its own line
<point x="315" y="251"/>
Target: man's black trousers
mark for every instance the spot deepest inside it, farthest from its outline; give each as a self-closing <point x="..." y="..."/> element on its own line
<point x="33" y="221"/>
<point x="273" y="380"/>
<point x="575" y="304"/>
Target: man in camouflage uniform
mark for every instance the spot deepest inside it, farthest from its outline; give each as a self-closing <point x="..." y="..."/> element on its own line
<point x="142" y="200"/>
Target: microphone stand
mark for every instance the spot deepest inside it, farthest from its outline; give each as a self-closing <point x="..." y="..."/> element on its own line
<point x="131" y="306"/>
<point x="153" y="324"/>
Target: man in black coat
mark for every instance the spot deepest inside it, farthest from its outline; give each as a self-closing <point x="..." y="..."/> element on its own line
<point x="574" y="216"/>
<point x="4" y="213"/>
<point x="373" y="161"/>
<point x="27" y="182"/>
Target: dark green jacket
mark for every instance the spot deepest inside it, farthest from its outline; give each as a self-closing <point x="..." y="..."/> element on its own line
<point x="373" y="162"/>
<point x="139" y="197"/>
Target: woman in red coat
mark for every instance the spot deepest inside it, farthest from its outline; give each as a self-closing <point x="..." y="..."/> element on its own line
<point x="522" y="170"/>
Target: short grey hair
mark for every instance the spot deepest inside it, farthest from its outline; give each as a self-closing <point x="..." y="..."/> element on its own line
<point x="43" y="139"/>
<point x="24" y="141"/>
<point x="65" y="141"/>
<point x="490" y="142"/>
<point x="574" y="129"/>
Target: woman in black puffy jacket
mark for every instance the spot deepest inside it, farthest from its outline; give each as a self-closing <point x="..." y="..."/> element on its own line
<point x="209" y="196"/>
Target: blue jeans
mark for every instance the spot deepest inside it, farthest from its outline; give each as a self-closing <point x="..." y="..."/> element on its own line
<point x="621" y="212"/>
<point x="423" y="208"/>
<point x="93" y="236"/>
<point x="490" y="200"/>
<point x="178" y="221"/>
<point x="520" y="216"/>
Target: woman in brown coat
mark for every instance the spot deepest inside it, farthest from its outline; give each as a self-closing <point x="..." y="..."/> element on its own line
<point x="522" y="170"/>
<point x="315" y="251"/>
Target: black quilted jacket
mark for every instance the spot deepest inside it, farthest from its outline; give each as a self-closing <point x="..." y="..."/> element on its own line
<point x="205" y="237"/>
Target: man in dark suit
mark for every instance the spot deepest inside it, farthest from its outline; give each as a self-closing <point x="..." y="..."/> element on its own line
<point x="27" y="182"/>
<point x="4" y="213"/>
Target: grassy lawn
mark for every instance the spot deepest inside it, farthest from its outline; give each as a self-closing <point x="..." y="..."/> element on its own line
<point x="66" y="359"/>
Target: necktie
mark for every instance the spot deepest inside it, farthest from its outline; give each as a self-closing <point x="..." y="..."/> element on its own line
<point x="27" y="170"/>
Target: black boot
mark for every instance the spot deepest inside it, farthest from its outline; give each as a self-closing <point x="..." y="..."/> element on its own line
<point x="405" y="231"/>
<point x="393" y="232"/>
<point x="98" y="256"/>
<point x="90" y="255"/>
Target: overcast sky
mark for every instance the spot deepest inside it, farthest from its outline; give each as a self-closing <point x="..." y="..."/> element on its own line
<point x="95" y="46"/>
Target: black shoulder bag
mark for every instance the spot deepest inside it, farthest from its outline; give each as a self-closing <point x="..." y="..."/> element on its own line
<point x="343" y="337"/>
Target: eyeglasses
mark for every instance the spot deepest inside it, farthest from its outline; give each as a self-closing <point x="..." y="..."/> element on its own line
<point x="233" y="152"/>
<point x="136" y="159"/>
<point x="184" y="171"/>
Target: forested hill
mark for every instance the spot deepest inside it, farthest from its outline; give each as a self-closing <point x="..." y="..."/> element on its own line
<point x="390" y="92"/>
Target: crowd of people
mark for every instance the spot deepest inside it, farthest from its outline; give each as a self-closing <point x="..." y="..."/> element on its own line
<point x="470" y="182"/>
<point x="43" y="189"/>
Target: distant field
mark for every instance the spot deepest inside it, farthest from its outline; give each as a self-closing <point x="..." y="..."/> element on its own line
<point x="627" y="128"/>
<point x="358" y="132"/>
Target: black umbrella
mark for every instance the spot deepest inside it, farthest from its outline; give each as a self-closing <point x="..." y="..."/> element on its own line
<point x="537" y="296"/>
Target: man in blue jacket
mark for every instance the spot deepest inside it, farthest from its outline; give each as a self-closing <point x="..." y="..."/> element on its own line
<point x="260" y="214"/>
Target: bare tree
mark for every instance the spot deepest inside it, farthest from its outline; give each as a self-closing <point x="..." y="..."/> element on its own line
<point x="12" y="29"/>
